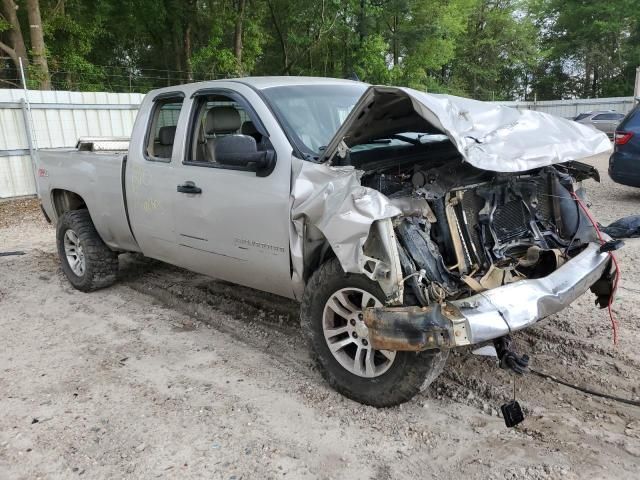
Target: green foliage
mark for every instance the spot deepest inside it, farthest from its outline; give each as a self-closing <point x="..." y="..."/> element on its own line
<point x="589" y="47"/>
<point x="4" y="25"/>
<point x="216" y="59"/>
<point x="486" y="49"/>
<point x="371" y="63"/>
<point x="494" y="58"/>
<point x="70" y="42"/>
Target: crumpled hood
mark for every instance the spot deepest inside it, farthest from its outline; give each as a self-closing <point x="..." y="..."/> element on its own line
<point x="488" y="136"/>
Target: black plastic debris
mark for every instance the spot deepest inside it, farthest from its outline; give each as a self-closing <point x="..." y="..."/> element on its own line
<point x="512" y="413"/>
<point x="626" y="227"/>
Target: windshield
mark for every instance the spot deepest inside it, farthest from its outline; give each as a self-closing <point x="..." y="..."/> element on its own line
<point x="311" y="114"/>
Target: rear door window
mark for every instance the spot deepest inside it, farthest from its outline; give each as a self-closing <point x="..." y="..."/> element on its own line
<point x="162" y="129"/>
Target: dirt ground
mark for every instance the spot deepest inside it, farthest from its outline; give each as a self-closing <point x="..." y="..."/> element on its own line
<point x="169" y="374"/>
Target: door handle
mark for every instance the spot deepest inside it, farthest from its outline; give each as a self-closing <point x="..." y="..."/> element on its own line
<point x="189" y="187"/>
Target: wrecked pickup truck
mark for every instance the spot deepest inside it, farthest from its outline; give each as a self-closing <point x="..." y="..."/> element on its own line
<point x="406" y="224"/>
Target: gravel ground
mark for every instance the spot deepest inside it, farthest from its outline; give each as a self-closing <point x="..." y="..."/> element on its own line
<point x="170" y="374"/>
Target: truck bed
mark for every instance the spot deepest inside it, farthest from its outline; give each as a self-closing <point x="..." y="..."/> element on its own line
<point x="95" y="176"/>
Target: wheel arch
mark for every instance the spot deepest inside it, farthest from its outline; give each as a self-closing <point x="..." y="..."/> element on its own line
<point x="65" y="200"/>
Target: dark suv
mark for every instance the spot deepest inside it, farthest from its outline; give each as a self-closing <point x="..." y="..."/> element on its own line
<point x="624" y="164"/>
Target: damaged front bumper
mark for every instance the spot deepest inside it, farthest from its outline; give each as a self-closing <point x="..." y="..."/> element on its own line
<point x="493" y="313"/>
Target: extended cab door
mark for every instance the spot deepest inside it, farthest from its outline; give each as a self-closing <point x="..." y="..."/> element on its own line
<point x="149" y="181"/>
<point x="232" y="221"/>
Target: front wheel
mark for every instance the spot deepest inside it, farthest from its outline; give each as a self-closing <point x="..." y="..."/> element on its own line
<point x="86" y="261"/>
<point x="331" y="317"/>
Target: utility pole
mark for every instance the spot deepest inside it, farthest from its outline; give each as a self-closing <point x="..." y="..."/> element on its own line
<point x="636" y="89"/>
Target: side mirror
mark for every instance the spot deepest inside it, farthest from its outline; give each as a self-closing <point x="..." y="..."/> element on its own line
<point x="241" y="151"/>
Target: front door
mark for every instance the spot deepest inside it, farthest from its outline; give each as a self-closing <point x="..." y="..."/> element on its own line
<point x="229" y="222"/>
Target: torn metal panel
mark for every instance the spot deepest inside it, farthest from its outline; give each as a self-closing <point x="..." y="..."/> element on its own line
<point x="333" y="200"/>
<point x="382" y="260"/>
<point x="488" y="136"/>
<point x="414" y="207"/>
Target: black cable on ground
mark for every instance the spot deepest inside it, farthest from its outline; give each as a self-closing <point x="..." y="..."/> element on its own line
<point x="635" y="403"/>
<point x="7" y="254"/>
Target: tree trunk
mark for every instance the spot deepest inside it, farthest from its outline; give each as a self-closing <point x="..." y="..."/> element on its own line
<point x="237" y="36"/>
<point x="587" y="78"/>
<point x="362" y="29"/>
<point x="188" y="16"/>
<point x="396" y="54"/>
<point x="281" y="39"/>
<point x="16" y="48"/>
<point x="38" y="48"/>
<point x="187" y="52"/>
<point x="178" y="53"/>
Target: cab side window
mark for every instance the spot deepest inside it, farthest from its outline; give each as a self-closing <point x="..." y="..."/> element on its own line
<point x="162" y="129"/>
<point x="222" y="129"/>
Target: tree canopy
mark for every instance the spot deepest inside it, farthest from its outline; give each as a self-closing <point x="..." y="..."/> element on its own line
<point x="485" y="49"/>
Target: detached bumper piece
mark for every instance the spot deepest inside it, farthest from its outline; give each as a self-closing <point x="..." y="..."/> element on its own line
<point x="490" y="314"/>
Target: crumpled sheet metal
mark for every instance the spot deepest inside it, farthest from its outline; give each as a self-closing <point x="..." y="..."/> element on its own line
<point x="488" y="136"/>
<point x="504" y="139"/>
<point x="497" y="312"/>
<point x="332" y="199"/>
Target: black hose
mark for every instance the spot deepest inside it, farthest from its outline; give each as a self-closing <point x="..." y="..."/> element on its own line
<point x="579" y="222"/>
<point x="588" y="391"/>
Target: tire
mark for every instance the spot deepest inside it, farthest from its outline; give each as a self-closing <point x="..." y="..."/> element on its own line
<point x="100" y="262"/>
<point x="408" y="373"/>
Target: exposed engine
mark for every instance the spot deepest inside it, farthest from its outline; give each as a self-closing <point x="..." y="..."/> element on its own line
<point x="465" y="230"/>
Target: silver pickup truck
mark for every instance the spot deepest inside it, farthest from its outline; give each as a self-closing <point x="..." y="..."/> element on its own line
<point x="406" y="224"/>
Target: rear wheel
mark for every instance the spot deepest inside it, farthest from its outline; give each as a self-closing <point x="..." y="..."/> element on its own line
<point x="86" y="261"/>
<point x="331" y="316"/>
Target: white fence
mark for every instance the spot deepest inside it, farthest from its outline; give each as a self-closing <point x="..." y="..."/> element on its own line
<point x="59" y="119"/>
<point x="571" y="108"/>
